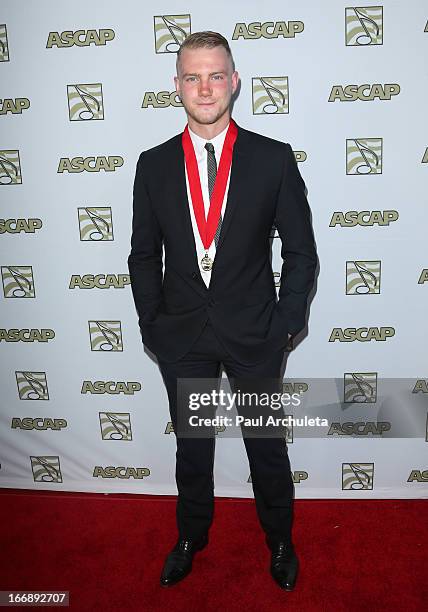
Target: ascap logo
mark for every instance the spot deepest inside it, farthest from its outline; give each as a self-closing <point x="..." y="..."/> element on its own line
<point x="418" y="475"/>
<point x="26" y="335"/>
<point x="169" y="429"/>
<point x="111" y="387"/>
<point x="115" y="426"/>
<point x="38" y="423"/>
<point x="80" y="38"/>
<point x="364" y="218"/>
<point x="362" y="277"/>
<point x="365" y="92"/>
<point x="362" y="334"/>
<point x="170" y="32"/>
<point x="298" y="476"/>
<point x="162" y="99"/>
<point x="14" y="106"/>
<point x="90" y="164"/>
<point x="360" y="387"/>
<point x="95" y="223"/>
<point x="10" y="168"/>
<point x="357" y="476"/>
<point x="425" y="157"/>
<point x="268" y="29"/>
<point x="421" y="386"/>
<point x="46" y="469"/>
<point x="363" y="26"/>
<point x="364" y="156"/>
<point x="105" y="336"/>
<point x="4" y="47"/>
<point x="99" y="281"/>
<point x="85" y="102"/>
<point x="15" y="226"/>
<point x="295" y="387"/>
<point x="121" y="472"/>
<point x="423" y="277"/>
<point x="32" y="385"/>
<point x="426" y="27"/>
<point x="361" y="428"/>
<point x="270" y="95"/>
<point x="18" y="281"/>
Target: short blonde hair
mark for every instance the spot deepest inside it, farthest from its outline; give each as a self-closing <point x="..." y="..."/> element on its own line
<point x="205" y="39"/>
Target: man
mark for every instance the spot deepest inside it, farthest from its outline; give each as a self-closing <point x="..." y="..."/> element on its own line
<point x="210" y="197"/>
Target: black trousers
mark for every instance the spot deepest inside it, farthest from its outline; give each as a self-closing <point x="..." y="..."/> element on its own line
<point x="268" y="457"/>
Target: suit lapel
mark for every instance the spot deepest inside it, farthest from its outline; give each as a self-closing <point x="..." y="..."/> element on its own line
<point x="238" y="178"/>
<point x="182" y="219"/>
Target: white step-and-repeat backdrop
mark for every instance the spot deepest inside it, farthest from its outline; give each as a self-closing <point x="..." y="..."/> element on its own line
<point x="85" y="88"/>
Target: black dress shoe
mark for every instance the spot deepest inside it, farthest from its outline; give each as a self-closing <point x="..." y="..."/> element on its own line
<point x="179" y="561"/>
<point x="284" y="565"/>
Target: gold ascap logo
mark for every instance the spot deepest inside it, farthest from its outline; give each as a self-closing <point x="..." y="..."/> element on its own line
<point x="4" y="46"/>
<point x="46" y="468"/>
<point x="270" y="95"/>
<point x="10" y="167"/>
<point x="357" y="476"/>
<point x="362" y="277"/>
<point x="14" y="106"/>
<point x="18" y="281"/>
<point x="79" y="38"/>
<point x="115" y="426"/>
<point x="418" y="476"/>
<point x="110" y="387"/>
<point x="95" y="223"/>
<point x="32" y="385"/>
<point x="90" y="164"/>
<point x="366" y="92"/>
<point x="122" y="472"/>
<point x="99" y="281"/>
<point x="15" y="226"/>
<point x="364" y="156"/>
<point x="423" y="277"/>
<point x="363" y="26"/>
<point x="360" y="387"/>
<point x="268" y="29"/>
<point x="364" y="218"/>
<point x="361" y="334"/>
<point x="105" y="336"/>
<point x="162" y="99"/>
<point x="170" y="32"/>
<point x="85" y="102"/>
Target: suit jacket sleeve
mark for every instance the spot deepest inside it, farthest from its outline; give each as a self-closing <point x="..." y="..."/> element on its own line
<point x="145" y="259"/>
<point x="293" y="221"/>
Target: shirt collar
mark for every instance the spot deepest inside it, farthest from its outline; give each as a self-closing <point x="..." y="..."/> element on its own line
<point x="217" y="141"/>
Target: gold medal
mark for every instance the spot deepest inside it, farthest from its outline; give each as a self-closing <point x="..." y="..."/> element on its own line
<point x="206" y="263"/>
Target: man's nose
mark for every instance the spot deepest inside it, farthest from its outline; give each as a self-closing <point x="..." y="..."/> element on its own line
<point x="204" y="87"/>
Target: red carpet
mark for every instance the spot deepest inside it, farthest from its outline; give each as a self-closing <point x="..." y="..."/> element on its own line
<point x="108" y="551"/>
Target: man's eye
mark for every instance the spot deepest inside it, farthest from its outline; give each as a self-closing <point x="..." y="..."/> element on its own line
<point x="218" y="77"/>
<point x="192" y="78"/>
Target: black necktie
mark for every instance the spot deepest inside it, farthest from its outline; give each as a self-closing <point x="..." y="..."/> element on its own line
<point x="212" y="173"/>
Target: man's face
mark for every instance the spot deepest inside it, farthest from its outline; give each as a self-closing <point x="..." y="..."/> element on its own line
<point x="205" y="83"/>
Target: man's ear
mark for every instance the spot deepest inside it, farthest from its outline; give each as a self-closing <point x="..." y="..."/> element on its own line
<point x="177" y="84"/>
<point x="235" y="81"/>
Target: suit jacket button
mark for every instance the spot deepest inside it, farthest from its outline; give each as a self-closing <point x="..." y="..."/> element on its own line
<point x="211" y="303"/>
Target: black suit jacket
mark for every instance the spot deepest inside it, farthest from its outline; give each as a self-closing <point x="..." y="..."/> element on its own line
<point x="174" y="304"/>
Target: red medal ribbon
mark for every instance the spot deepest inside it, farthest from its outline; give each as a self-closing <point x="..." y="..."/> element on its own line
<point x="207" y="228"/>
